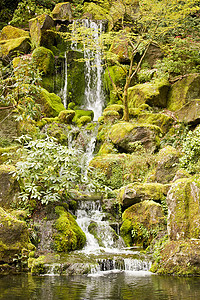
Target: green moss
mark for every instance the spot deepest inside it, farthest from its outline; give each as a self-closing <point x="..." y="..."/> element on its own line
<point x="118" y="76"/>
<point x="92" y="228"/>
<point x="178" y="258"/>
<point x="138" y="226"/>
<point x="183" y="91"/>
<point x="10" y="48"/>
<point x="36" y="265"/>
<point x="98" y="12"/>
<point x="51" y="104"/>
<point x="159" y="119"/>
<point x="10" y="32"/>
<point x="66" y="116"/>
<point x="83" y="113"/>
<point x="69" y="236"/>
<point x="154" y="94"/>
<point x="44" y="59"/>
<point x="83" y="120"/>
<point x="107" y="148"/>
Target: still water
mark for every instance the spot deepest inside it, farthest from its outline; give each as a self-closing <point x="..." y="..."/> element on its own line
<point x="112" y="286"/>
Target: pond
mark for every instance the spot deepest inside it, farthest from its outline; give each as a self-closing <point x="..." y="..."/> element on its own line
<point x="110" y="286"/>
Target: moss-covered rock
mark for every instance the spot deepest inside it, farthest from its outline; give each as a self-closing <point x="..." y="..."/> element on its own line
<point x="183" y="91"/>
<point x="107" y="148"/>
<point x="179" y="258"/>
<point x="153" y="54"/>
<point x="154" y="94"/>
<point x="96" y="11"/>
<point x="190" y="112"/>
<point x="69" y="236"/>
<point x="66" y="116"/>
<point x="51" y="104"/>
<point x="166" y="165"/>
<point x="14" y="237"/>
<point x="137" y="192"/>
<point x="183" y="209"/>
<point x="161" y="120"/>
<point x="9" y="187"/>
<point x="115" y="107"/>
<point x="83" y="120"/>
<point x="110" y="116"/>
<point x="37" y="26"/>
<point x="9" y="32"/>
<point x="44" y="59"/>
<point x="9" y="126"/>
<point x="118" y="76"/>
<point x="12" y="47"/>
<point x="141" y="223"/>
<point x="83" y="113"/>
<point x="116" y="170"/>
<point x="126" y="136"/>
<point x="62" y="11"/>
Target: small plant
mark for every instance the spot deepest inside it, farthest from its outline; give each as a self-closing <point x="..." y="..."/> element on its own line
<point x="191" y="148"/>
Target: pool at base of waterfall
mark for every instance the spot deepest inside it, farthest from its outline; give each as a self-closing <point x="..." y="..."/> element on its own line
<point x="111" y="286"/>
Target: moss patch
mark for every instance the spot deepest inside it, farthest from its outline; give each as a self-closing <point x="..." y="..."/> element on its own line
<point x="69" y="236"/>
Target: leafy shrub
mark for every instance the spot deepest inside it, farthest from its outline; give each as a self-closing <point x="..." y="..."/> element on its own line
<point x="48" y="171"/>
<point x="191" y="148"/>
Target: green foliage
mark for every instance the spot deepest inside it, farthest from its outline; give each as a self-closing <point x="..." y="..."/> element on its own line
<point x="48" y="171"/>
<point x="27" y="9"/>
<point x="175" y="136"/>
<point x="182" y="57"/>
<point x="191" y="148"/>
<point x="21" y="89"/>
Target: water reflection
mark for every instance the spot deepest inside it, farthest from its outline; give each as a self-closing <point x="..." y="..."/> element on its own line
<point x="113" y="286"/>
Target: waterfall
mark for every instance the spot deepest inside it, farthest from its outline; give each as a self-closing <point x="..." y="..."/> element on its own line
<point x="94" y="97"/>
<point x="93" y="69"/>
<point x="65" y="85"/>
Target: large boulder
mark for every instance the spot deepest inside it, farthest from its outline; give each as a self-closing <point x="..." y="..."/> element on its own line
<point x="161" y="120"/>
<point x="9" y="32"/>
<point x="51" y="104"/>
<point x="9" y="187"/>
<point x="166" y="165"/>
<point x="68" y="235"/>
<point x="38" y="26"/>
<point x="62" y="11"/>
<point x="44" y="59"/>
<point x="153" y="94"/>
<point x="183" y="91"/>
<point x="14" y="238"/>
<point x="137" y="192"/>
<point x="190" y="112"/>
<point x="141" y="223"/>
<point x="116" y="170"/>
<point x="184" y="209"/>
<point x="10" y="48"/>
<point x="126" y="136"/>
<point x="179" y="258"/>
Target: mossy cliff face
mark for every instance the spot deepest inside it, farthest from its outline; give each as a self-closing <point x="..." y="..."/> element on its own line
<point x="126" y="135"/>
<point x="141" y="223"/>
<point x="183" y="209"/>
<point x="183" y="91"/>
<point x="13" y="237"/>
<point x="69" y="236"/>
<point x="9" y="187"/>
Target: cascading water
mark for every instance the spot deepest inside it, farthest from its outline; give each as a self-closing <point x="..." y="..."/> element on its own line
<point x="94" y="98"/>
<point x="104" y="243"/>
